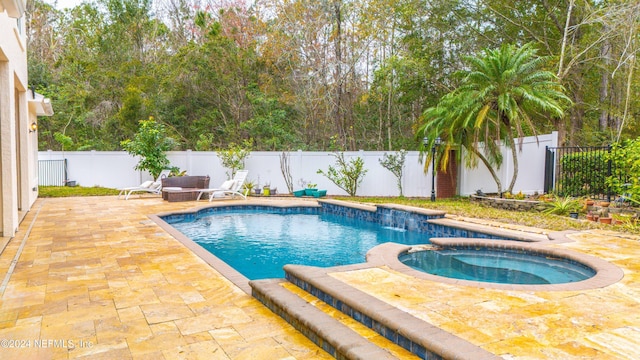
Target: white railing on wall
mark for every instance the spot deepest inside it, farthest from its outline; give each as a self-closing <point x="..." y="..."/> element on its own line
<point x="115" y="169"/>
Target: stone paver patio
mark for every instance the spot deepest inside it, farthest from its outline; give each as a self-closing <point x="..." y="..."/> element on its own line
<point x="97" y="279"/>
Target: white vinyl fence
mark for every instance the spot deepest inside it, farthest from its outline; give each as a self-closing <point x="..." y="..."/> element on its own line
<point x="115" y="169"/>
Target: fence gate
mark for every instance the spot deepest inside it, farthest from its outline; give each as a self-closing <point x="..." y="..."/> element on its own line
<point x="578" y="171"/>
<point x="52" y="172"/>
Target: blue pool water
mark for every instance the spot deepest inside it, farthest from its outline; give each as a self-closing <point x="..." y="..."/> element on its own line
<point x="497" y="266"/>
<point x="258" y="243"/>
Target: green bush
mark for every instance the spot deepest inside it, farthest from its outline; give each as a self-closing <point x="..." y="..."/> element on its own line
<point x="563" y="206"/>
<point x="625" y="177"/>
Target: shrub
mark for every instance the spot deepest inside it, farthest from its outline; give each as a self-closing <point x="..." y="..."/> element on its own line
<point x="563" y="206"/>
<point x="395" y="164"/>
<point x="233" y="158"/>
<point x="625" y="177"/>
<point x="150" y="143"/>
<point x="346" y="175"/>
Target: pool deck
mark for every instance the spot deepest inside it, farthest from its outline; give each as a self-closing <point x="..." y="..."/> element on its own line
<point x="96" y="278"/>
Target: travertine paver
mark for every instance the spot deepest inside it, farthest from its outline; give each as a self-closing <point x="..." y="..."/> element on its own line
<point x="601" y="323"/>
<point x="97" y="271"/>
<point x="98" y="279"/>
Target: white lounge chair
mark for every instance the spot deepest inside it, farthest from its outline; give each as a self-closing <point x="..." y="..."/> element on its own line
<point x="153" y="187"/>
<point x="230" y="187"/>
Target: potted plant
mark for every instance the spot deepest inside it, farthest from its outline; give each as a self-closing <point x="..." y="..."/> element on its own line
<point x="310" y="189"/>
<point x="266" y="189"/>
<point x="604" y="216"/>
<point x="605" y="220"/>
<point x="247" y="186"/>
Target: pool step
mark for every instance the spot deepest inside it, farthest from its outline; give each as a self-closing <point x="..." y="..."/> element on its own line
<point x="415" y="335"/>
<point x="304" y="312"/>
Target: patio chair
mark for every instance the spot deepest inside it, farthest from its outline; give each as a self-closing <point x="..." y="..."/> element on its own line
<point x="230" y="187"/>
<point x="153" y="187"/>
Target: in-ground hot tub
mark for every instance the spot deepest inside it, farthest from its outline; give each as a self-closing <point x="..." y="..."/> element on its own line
<point x="494" y="265"/>
<point x="490" y="264"/>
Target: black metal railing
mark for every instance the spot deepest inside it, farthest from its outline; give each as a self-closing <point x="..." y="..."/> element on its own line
<point x="579" y="171"/>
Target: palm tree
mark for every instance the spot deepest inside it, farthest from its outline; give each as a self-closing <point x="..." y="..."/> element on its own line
<point x="504" y="92"/>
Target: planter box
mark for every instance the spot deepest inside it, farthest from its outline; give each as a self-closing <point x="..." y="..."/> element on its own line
<point x="309" y="192"/>
<point x="319" y="193"/>
<point x="298" y="193"/>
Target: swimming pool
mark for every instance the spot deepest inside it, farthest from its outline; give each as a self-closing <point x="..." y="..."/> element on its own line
<point x="258" y="243"/>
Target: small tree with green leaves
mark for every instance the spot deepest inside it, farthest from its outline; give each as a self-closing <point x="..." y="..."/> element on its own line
<point x="233" y="158"/>
<point x="395" y="164"/>
<point x="625" y="177"/>
<point x="150" y="143"/>
<point x="347" y="174"/>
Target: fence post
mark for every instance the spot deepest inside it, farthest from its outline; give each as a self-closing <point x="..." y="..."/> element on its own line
<point x="549" y="169"/>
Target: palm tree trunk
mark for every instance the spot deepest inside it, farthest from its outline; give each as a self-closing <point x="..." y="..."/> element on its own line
<point x="486" y="163"/>
<point x="514" y="154"/>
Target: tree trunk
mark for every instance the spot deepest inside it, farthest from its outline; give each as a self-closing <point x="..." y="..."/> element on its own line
<point x="514" y="154"/>
<point x="486" y="163"/>
<point x="338" y="117"/>
<point x="605" y="104"/>
<point x="577" y="114"/>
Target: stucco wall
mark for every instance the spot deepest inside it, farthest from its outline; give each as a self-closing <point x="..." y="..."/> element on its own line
<point x="17" y="146"/>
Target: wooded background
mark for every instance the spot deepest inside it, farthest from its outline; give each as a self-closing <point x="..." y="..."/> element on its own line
<point x="313" y="74"/>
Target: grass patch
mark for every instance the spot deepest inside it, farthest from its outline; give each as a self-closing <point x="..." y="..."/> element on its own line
<point x="68" y="191"/>
<point x="462" y="206"/>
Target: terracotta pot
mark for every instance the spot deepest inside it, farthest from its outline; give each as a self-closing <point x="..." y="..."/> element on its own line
<point x="604" y="203"/>
<point x="590" y="217"/>
<point x="606" y="220"/>
<point x="589" y="202"/>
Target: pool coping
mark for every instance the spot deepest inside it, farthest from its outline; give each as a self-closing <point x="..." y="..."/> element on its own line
<point x="215" y="262"/>
<point x="377" y="257"/>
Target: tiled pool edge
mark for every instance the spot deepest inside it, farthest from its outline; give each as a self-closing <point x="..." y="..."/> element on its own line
<point x="423" y="218"/>
<point x="415" y="335"/>
<point x="326" y="332"/>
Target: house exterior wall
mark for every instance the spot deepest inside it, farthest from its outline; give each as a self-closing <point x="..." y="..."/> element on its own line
<point x="18" y="146"/>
